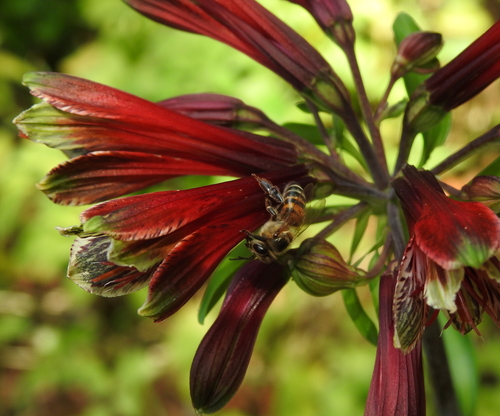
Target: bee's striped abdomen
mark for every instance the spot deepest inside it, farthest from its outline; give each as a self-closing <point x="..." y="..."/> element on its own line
<point x="294" y="205"/>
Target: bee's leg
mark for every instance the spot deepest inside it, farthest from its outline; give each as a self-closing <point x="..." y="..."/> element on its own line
<point x="272" y="191"/>
<point x="272" y="211"/>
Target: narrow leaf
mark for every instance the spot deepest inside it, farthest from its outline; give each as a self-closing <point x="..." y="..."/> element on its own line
<point x="358" y="315"/>
<point x="220" y="280"/>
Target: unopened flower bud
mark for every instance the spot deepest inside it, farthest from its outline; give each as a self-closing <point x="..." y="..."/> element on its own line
<point x="420" y="115"/>
<point x="333" y="16"/>
<point x="417" y="50"/>
<point x="320" y="269"/>
<point x="484" y="189"/>
<point x="217" y="109"/>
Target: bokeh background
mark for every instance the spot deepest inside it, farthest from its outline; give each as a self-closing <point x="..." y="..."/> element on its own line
<point x="64" y="352"/>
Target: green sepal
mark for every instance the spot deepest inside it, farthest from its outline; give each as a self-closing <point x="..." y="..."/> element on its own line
<point x="359" y="230"/>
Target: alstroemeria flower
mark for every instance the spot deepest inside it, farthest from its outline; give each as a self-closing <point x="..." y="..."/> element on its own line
<point x="171" y="240"/>
<point x="397" y="387"/>
<point x="253" y="30"/>
<point x="223" y="356"/>
<point x="120" y="143"/>
<point x="452" y="245"/>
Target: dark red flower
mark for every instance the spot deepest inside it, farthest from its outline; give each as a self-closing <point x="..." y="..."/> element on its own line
<point x="468" y="74"/>
<point x="171" y="241"/>
<point x="450" y="241"/>
<point x="397" y="387"/>
<point x="253" y="30"/>
<point x="223" y="356"/>
<point x="119" y="143"/>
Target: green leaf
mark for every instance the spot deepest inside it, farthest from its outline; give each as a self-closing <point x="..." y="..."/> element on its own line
<point x="307" y="131"/>
<point x="464" y="370"/>
<point x="220" y="280"/>
<point x="358" y="315"/>
<point x="434" y="137"/>
<point x="359" y="230"/>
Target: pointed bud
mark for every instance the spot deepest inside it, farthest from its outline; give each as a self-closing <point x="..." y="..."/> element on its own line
<point x="320" y="270"/>
<point x="420" y="115"/>
<point x="419" y="49"/>
<point x="484" y="189"/>
<point x="333" y="16"/>
<point x="217" y="109"/>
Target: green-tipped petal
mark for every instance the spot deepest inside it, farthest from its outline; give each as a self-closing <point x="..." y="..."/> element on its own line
<point x="442" y="287"/>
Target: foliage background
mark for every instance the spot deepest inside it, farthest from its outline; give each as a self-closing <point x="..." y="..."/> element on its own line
<point x="66" y="352"/>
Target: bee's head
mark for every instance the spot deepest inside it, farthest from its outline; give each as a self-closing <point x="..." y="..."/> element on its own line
<point x="259" y="247"/>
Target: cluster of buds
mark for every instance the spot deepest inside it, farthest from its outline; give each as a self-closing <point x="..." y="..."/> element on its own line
<point x="436" y="247"/>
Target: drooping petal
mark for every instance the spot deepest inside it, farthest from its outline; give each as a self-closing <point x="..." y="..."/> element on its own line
<point x="222" y="358"/>
<point x="397" y="386"/>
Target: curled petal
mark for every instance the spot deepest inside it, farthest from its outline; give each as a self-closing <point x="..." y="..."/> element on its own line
<point x="222" y="358"/>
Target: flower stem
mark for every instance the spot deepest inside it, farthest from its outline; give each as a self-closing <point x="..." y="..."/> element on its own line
<point x="378" y="145"/>
<point x="341" y="218"/>
<point x="439" y="372"/>
<point x="468" y="150"/>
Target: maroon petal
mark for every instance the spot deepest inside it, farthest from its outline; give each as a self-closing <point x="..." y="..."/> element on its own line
<point x="190" y="264"/>
<point x="160" y="213"/>
<point x="452" y="233"/>
<point x="222" y="358"/>
<point x="97" y="117"/>
<point x="397" y="387"/>
<point x="469" y="73"/>
<point x="104" y="175"/>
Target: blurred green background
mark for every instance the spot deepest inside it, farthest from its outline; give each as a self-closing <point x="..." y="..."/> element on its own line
<point x="64" y="352"/>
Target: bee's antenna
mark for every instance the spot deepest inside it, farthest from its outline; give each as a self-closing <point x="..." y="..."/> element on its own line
<point x="243" y="258"/>
<point x="249" y="234"/>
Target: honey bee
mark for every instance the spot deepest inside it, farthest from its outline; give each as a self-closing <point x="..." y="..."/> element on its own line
<point x="288" y="219"/>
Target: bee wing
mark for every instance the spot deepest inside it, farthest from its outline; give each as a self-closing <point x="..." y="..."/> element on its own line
<point x="313" y="211"/>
